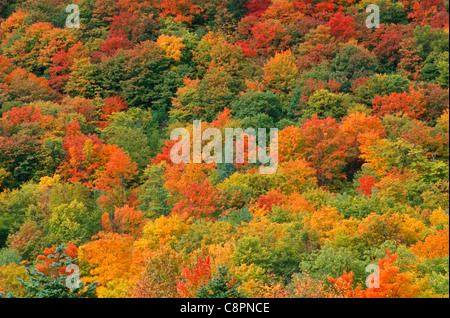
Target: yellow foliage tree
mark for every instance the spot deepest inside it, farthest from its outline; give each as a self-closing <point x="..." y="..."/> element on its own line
<point x="172" y="46"/>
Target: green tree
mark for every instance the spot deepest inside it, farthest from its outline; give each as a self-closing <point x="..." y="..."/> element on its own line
<point x="434" y="67"/>
<point x="207" y="97"/>
<point x="238" y="216"/>
<point x="253" y="250"/>
<point x="437" y="270"/>
<point x="222" y="285"/>
<point x="130" y="131"/>
<point x="237" y="8"/>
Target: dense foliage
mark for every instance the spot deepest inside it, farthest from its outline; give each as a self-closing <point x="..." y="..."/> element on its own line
<point x="86" y="178"/>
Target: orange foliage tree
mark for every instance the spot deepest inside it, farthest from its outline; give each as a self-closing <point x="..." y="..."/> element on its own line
<point x="402" y="103"/>
<point x="108" y="259"/>
<point x="200" y="200"/>
<point x="393" y="282"/>
<point x="127" y="220"/>
<point x="116" y="174"/>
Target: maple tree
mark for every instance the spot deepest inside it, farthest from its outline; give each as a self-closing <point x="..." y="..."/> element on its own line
<point x="305" y="286"/>
<point x="367" y="185"/>
<point x="199" y="200"/>
<point x="264" y="37"/>
<point x="112" y="44"/>
<point x="45" y="267"/>
<point x="60" y="70"/>
<point x="258" y="7"/>
<point x="116" y="174"/>
<point x="270" y="199"/>
<point x="435" y="245"/>
<point x="285" y="11"/>
<point x="181" y="10"/>
<point x="194" y="277"/>
<point x="358" y="128"/>
<point x="13" y="22"/>
<point x="323" y="147"/>
<point x="393" y="282"/>
<point x="429" y="11"/>
<point x="132" y="25"/>
<point x="82" y="157"/>
<point x="23" y="86"/>
<point x="159" y="279"/>
<point x="410" y="63"/>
